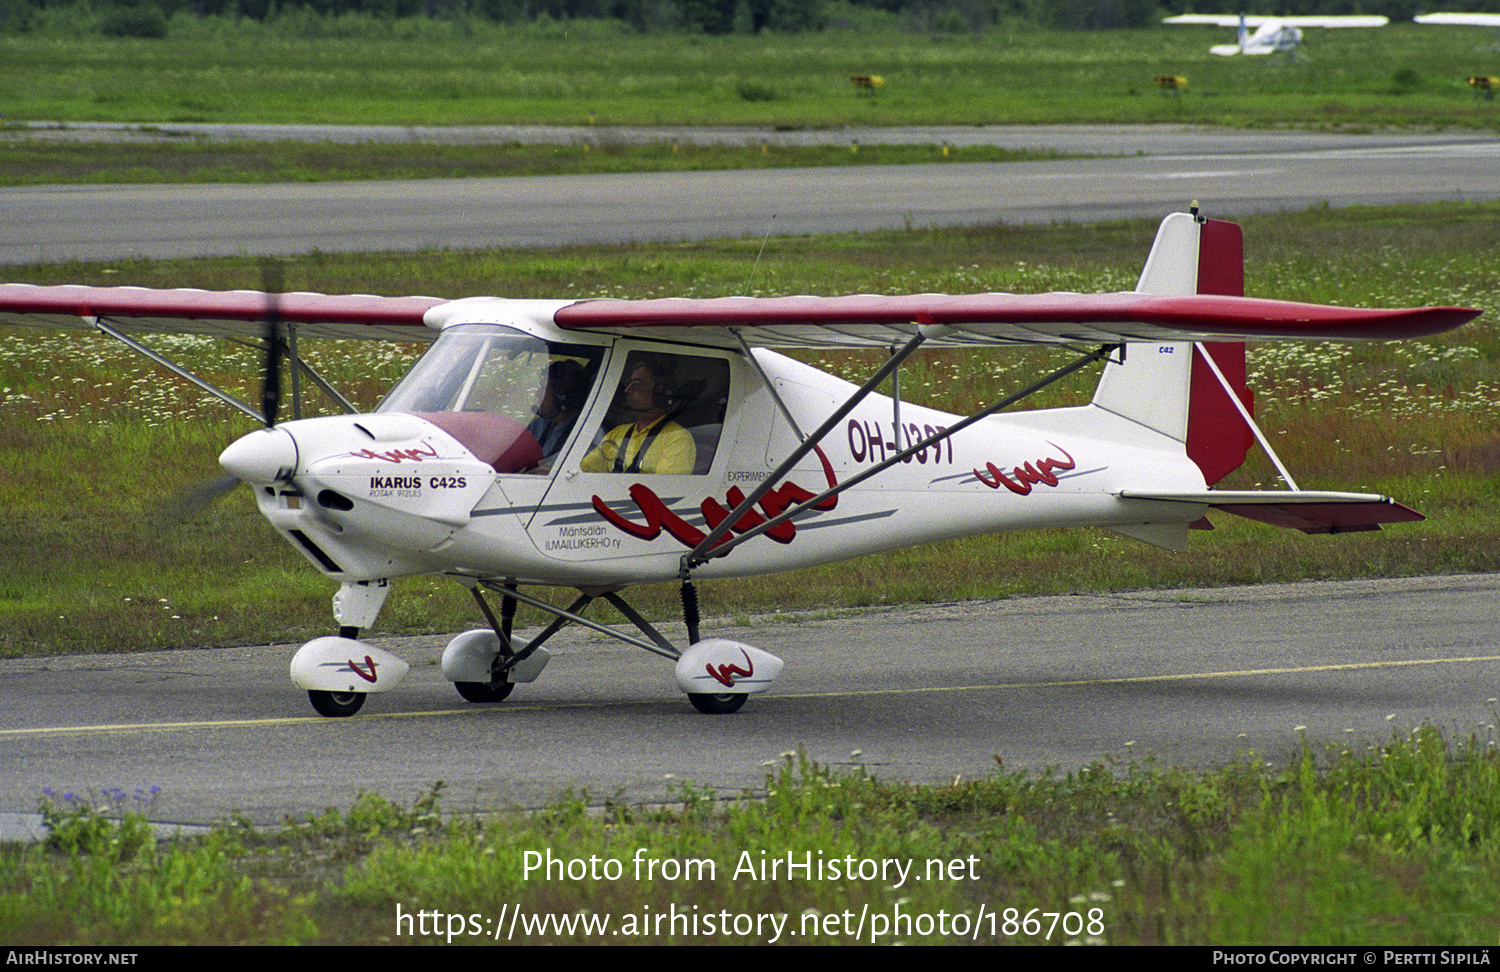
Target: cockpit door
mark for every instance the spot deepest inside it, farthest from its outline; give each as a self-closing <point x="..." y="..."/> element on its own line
<point x="661" y="419"/>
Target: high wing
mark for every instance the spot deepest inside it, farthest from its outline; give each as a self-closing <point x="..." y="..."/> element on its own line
<point x="1233" y="20"/>
<point x="1461" y="19"/>
<point x="997" y="319"/>
<point x="864" y="320"/>
<point x="234" y="313"/>
<point x="240" y="315"/>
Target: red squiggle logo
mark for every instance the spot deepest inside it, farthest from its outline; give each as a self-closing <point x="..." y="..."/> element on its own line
<point x="774" y="503"/>
<point x="398" y="455"/>
<point x="1028" y="475"/>
<point x="354" y="667"/>
<point x="726" y="674"/>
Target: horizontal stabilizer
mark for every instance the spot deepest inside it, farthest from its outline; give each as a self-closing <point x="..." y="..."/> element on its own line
<point x="1306" y="510"/>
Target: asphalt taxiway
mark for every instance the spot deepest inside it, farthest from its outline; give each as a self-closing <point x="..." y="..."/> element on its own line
<point x="1229" y="173"/>
<point x="1187" y="677"/>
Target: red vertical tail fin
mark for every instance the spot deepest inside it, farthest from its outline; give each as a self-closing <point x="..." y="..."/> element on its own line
<point x="1217" y="437"/>
<point x="1169" y="387"/>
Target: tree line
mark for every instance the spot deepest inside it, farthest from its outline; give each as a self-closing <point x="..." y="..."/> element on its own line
<point x="148" y="18"/>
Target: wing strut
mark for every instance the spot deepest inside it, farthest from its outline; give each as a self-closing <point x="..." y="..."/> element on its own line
<point x="289" y="347"/>
<point x="1260" y="436"/>
<point x="896" y="405"/>
<point x="291" y="353"/>
<point x="300" y="366"/>
<point x="698" y="556"/>
<point x="176" y="369"/>
<point x="786" y="413"/>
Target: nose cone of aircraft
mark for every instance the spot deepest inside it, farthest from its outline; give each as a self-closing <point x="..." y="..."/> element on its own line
<point x="262" y="457"/>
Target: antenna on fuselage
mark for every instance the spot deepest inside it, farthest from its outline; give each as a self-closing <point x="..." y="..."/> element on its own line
<point x="758" y="253"/>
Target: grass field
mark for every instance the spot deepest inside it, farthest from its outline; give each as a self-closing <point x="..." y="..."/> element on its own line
<point x="1391" y="844"/>
<point x="1403" y="75"/>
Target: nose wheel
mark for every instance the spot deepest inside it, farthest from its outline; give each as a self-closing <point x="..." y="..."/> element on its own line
<point x="721" y="704"/>
<point x="336" y="705"/>
<point x="484" y="691"/>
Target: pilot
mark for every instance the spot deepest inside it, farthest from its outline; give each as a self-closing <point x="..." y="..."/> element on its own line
<point x="653" y="443"/>
<point x="557" y="409"/>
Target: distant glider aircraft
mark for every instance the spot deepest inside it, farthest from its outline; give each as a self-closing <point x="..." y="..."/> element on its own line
<point x="1272" y="34"/>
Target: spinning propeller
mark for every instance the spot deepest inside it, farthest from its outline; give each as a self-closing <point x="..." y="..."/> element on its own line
<point x="275" y="341"/>
<point x="202" y="495"/>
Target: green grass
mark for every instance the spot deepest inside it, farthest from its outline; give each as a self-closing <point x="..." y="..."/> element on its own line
<point x="1393" y="844"/>
<point x="1403" y="75"/>
<point x="30" y="162"/>
<point x="93" y="441"/>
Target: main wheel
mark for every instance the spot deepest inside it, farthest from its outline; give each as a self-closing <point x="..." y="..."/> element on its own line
<point x="722" y="704"/>
<point x="484" y="691"/>
<point x="336" y="705"/>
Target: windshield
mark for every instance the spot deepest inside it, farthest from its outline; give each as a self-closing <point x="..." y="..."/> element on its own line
<point x="489" y="368"/>
<point x="511" y="399"/>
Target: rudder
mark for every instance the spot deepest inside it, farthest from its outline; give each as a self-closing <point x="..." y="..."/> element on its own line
<point x="1168" y="387"/>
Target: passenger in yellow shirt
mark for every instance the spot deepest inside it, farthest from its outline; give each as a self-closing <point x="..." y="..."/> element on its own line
<point x="653" y="443"/>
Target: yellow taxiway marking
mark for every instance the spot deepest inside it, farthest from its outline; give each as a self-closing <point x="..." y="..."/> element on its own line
<point x="542" y="706"/>
<point x="1183" y="677"/>
<point x="308" y="720"/>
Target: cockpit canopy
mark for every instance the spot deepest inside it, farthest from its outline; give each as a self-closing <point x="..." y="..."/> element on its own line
<point x="486" y="368"/>
<point x="509" y="397"/>
<point x="514" y="400"/>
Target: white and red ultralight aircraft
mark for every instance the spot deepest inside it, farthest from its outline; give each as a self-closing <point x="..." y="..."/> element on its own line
<point x="599" y="444"/>
<point x="1272" y="34"/>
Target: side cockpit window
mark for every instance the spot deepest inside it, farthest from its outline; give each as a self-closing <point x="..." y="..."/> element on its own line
<point x="666" y="417"/>
<point x="513" y="400"/>
<point x="560" y="398"/>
